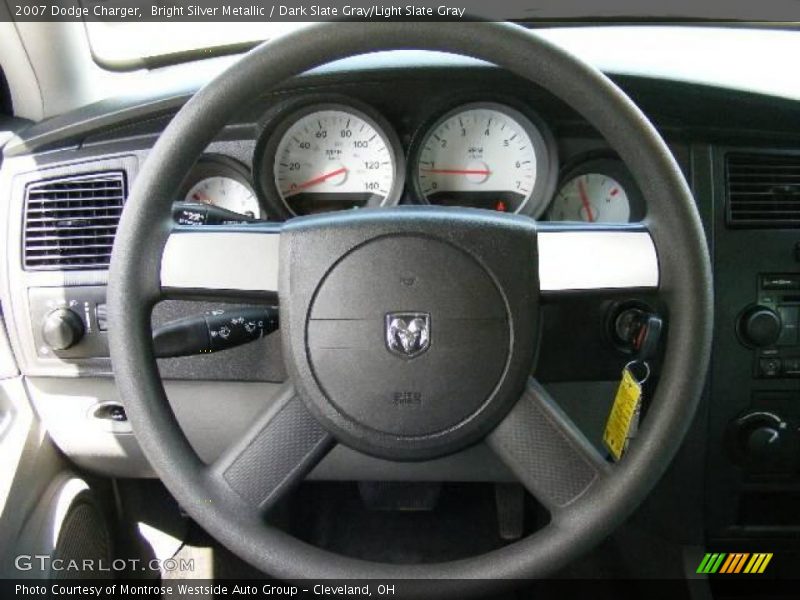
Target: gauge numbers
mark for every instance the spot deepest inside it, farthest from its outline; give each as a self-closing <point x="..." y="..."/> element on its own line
<point x="480" y="155"/>
<point x="225" y="192"/>
<point x="334" y="159"/>
<point x="593" y="198"/>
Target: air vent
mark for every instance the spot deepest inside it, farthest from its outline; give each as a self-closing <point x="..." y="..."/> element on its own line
<point x="70" y="222"/>
<point x="763" y="190"/>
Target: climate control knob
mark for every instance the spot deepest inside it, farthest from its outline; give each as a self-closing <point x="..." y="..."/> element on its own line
<point x="760" y="326"/>
<point x="62" y="329"/>
<point x="762" y="442"/>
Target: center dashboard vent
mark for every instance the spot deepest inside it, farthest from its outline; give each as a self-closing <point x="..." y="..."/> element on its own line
<point x="70" y="222"/>
<point x="763" y="190"/>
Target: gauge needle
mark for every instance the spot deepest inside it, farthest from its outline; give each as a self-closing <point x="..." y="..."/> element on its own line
<point x="585" y="200"/>
<point x="315" y="181"/>
<point x="459" y="171"/>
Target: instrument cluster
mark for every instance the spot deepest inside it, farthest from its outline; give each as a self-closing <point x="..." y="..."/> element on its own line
<point x="323" y="154"/>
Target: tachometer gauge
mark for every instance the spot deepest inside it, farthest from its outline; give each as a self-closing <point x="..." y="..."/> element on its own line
<point x="598" y="191"/>
<point x="332" y="157"/>
<point x="221" y="181"/>
<point x="485" y="155"/>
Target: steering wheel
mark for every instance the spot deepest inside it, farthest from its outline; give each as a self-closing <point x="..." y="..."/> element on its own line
<point x="462" y="285"/>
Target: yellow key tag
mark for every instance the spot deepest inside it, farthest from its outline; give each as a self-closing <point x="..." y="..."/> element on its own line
<point x="624" y="417"/>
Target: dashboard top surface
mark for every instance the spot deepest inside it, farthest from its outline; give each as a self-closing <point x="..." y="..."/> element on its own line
<point x="689" y="107"/>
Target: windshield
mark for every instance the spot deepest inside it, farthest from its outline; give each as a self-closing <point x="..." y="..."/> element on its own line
<point x="164" y="32"/>
<point x="122" y="43"/>
<point x="730" y="57"/>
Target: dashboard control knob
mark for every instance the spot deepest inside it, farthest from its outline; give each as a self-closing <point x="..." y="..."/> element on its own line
<point x="62" y="329"/>
<point x="760" y="326"/>
<point x="764" y="442"/>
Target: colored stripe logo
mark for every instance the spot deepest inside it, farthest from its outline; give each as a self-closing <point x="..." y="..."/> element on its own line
<point x="735" y="562"/>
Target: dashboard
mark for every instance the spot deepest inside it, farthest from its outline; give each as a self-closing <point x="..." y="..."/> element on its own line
<point x="458" y="135"/>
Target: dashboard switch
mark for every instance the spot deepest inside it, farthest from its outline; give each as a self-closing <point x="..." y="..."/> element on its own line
<point x="62" y="329"/>
<point x="102" y="317"/>
<point x="789" y="321"/>
<point x="770" y="367"/>
<point x="213" y="331"/>
<point x="193" y="214"/>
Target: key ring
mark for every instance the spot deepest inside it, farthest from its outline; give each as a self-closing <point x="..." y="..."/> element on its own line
<point x="639" y="363"/>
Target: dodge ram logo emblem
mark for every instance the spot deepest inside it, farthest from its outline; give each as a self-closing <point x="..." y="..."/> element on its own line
<point x="408" y="334"/>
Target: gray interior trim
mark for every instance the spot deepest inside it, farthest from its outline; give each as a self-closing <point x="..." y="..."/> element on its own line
<point x="8" y="364"/>
<point x="41" y="530"/>
<point x="15" y="282"/>
<point x="213" y="415"/>
<point x="29" y="462"/>
<point x="585" y="260"/>
<point x="221" y="260"/>
<point x="249" y="260"/>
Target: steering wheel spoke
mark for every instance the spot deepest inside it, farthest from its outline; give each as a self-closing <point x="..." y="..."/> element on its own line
<point x="230" y="262"/>
<point x="274" y="455"/>
<point x="546" y="451"/>
<point x="580" y="257"/>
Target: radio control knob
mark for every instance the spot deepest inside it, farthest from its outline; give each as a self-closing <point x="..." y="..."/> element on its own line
<point x="760" y="326"/>
<point x="62" y="329"/>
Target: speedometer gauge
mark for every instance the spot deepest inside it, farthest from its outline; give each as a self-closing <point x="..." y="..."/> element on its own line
<point x="485" y="155"/>
<point x="332" y="157"/>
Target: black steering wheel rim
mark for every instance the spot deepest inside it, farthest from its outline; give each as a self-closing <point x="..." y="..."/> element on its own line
<point x="673" y="222"/>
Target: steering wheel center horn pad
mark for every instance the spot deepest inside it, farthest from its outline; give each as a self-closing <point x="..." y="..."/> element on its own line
<point x="411" y="331"/>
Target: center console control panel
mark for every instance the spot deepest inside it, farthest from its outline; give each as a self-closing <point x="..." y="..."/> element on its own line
<point x="770" y="326"/>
